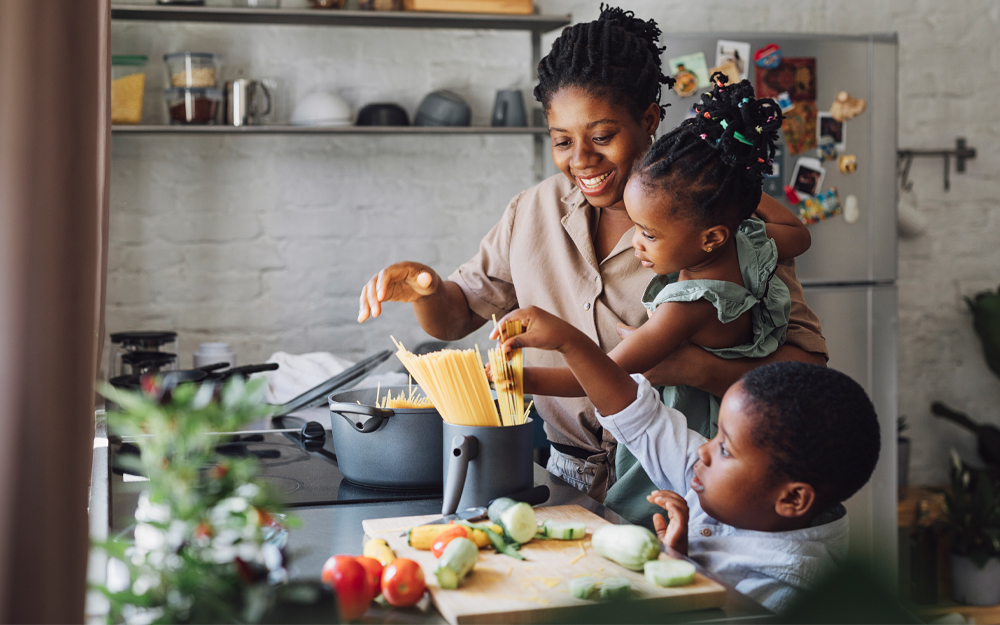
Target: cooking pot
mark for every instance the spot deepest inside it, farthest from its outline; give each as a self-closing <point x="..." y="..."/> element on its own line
<point x="388" y="448"/>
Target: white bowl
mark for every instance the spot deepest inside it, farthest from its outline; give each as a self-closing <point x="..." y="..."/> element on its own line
<point x="321" y="108"/>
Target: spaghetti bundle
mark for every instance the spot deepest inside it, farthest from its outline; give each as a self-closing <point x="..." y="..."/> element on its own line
<point x="508" y="375"/>
<point x="409" y="400"/>
<point x="456" y="384"/>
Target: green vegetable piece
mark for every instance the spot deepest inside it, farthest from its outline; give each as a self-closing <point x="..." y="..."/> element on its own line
<point x="615" y="588"/>
<point x="498" y="541"/>
<point x="456" y="561"/>
<point x="497" y="507"/>
<point x="583" y="587"/>
<point x="669" y="572"/>
<point x="629" y="545"/>
<point x="564" y="531"/>
<point x="518" y="522"/>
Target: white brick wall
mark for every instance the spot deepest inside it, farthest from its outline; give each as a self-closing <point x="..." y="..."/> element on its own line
<point x="265" y="241"/>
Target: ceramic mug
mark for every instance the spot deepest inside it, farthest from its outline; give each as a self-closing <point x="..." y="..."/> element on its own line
<point x="509" y="109"/>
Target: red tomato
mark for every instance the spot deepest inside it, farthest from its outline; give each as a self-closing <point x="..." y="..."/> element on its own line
<point x="374" y="570"/>
<point x="446" y="537"/>
<point x="403" y="583"/>
<point x="349" y="581"/>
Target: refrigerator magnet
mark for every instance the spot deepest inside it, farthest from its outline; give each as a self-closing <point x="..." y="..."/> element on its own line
<point x="851" y="210"/>
<point x="847" y="164"/>
<point x="830" y="129"/>
<point x="791" y="195"/>
<point x="799" y="127"/>
<point x="807" y="177"/>
<point x="735" y="54"/>
<point x="768" y="57"/>
<point x="823" y="206"/>
<point x="693" y="63"/>
<point x="826" y="150"/>
<point x="845" y="107"/>
<point x="785" y="102"/>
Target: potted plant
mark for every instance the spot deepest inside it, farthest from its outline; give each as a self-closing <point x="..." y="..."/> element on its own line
<point x="902" y="456"/>
<point x="973" y="523"/>
<point x="209" y="540"/>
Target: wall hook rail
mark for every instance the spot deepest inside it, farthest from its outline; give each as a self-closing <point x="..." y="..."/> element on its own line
<point x="962" y="153"/>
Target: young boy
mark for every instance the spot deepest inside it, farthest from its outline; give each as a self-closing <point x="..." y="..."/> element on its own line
<point x="759" y="505"/>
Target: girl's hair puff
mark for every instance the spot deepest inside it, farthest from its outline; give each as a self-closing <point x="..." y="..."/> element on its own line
<point x="615" y="57"/>
<point x="715" y="162"/>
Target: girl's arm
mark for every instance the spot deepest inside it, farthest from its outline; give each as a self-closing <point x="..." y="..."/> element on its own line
<point x="670" y="325"/>
<point x="789" y="233"/>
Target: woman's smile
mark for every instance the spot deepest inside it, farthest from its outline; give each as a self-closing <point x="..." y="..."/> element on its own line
<point x="595" y="185"/>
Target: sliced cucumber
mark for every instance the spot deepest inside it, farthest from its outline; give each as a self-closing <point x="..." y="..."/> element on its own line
<point x="518" y="522"/>
<point x="564" y="531"/>
<point x="498" y="506"/>
<point x="457" y="560"/>
<point x="583" y="587"/>
<point x="628" y="545"/>
<point x="615" y="588"/>
<point x="668" y="572"/>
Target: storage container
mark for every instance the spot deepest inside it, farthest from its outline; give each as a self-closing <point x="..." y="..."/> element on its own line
<point x="128" y="83"/>
<point x="192" y="106"/>
<point x="193" y="69"/>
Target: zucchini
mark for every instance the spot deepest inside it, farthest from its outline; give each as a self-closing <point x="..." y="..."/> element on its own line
<point x="669" y="572"/>
<point x="615" y="588"/>
<point x="629" y="545"/>
<point x="457" y="560"/>
<point x="583" y="587"/>
<point x="498" y="506"/>
<point x="564" y="531"/>
<point x="518" y="522"/>
<point x="380" y="550"/>
<point x="423" y="536"/>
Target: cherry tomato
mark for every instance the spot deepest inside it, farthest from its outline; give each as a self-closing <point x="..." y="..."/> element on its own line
<point x="403" y="583"/>
<point x="374" y="570"/>
<point x="349" y="581"/>
<point x="446" y="537"/>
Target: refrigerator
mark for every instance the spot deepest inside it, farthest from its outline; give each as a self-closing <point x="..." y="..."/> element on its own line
<point x="849" y="273"/>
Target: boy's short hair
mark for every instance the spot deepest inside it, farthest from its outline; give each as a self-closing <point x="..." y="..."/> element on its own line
<point x="818" y="425"/>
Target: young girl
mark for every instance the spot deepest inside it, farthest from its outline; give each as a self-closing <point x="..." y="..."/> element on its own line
<point x="692" y="198"/>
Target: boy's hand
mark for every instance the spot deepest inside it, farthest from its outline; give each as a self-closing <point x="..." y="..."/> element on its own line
<point x="675" y="533"/>
<point x="542" y="330"/>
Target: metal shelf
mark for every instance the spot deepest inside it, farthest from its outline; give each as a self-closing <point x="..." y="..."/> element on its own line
<point x="163" y="129"/>
<point x="321" y="17"/>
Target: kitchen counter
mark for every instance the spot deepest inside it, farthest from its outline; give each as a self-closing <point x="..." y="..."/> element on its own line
<point x="336" y="529"/>
<point x="329" y="530"/>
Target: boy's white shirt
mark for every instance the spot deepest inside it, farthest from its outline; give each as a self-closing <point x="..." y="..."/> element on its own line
<point x="770" y="567"/>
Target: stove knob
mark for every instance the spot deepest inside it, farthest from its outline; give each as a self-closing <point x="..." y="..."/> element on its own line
<point x="313" y="431"/>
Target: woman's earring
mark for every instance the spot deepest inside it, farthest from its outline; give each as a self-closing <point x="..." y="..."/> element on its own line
<point x="709" y="250"/>
<point x="651" y="139"/>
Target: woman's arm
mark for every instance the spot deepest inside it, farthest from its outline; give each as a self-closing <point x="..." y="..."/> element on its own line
<point x="440" y="305"/>
<point x="670" y="325"/>
<point x="790" y="235"/>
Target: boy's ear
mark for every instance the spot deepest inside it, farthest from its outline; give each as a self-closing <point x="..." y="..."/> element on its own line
<point x="715" y="237"/>
<point x="795" y="500"/>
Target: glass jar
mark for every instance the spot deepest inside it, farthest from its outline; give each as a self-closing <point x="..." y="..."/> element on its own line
<point x="257" y="4"/>
<point x="192" y="106"/>
<point x="193" y="69"/>
<point x="128" y="84"/>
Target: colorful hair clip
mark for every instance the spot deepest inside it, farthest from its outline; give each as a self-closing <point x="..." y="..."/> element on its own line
<point x="741" y="138"/>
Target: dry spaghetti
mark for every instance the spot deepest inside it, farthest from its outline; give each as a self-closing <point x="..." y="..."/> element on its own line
<point x="508" y="375"/>
<point x="408" y="400"/>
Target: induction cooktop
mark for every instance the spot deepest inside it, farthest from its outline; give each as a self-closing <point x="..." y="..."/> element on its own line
<point x="303" y="473"/>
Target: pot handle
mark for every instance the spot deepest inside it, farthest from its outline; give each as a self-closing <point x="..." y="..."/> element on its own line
<point x="464" y="449"/>
<point x="372" y="423"/>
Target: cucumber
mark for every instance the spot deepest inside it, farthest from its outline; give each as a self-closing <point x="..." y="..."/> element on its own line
<point x="669" y="572"/>
<point x="518" y="522"/>
<point x="629" y="545"/>
<point x="615" y="588"/>
<point x="498" y="506"/>
<point x="564" y="531"/>
<point x="583" y="587"/>
<point x="457" y="560"/>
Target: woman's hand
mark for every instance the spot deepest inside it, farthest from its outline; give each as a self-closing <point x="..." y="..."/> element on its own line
<point x="399" y="282"/>
<point x="673" y="534"/>
<point x="542" y="330"/>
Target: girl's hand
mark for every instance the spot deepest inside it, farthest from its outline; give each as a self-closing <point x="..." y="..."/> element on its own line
<point x="675" y="533"/>
<point x="400" y="282"/>
<point x="542" y="330"/>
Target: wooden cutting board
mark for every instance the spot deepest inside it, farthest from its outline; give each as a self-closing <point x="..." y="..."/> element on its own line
<point x="503" y="590"/>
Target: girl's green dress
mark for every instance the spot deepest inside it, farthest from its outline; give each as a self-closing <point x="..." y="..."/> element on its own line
<point x="767" y="299"/>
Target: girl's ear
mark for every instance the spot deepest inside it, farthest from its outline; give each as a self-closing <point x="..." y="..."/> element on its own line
<point x="795" y="500"/>
<point x="650" y="119"/>
<point x="714" y="238"/>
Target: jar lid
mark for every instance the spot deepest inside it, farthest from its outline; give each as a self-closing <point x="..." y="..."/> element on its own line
<point x="154" y="336"/>
<point x="194" y="55"/>
<point x="134" y="60"/>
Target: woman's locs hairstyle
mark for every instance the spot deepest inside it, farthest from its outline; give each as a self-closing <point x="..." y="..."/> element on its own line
<point x="615" y="57"/>
<point x="714" y="163"/>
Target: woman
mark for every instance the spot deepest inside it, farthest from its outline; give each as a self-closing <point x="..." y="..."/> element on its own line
<point x="564" y="245"/>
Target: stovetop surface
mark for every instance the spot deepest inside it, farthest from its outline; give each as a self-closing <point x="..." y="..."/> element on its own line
<point x="301" y="477"/>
